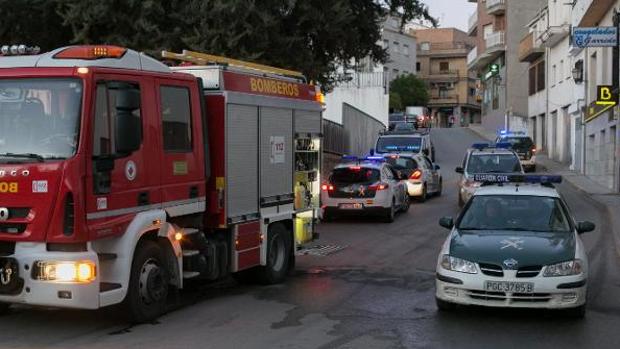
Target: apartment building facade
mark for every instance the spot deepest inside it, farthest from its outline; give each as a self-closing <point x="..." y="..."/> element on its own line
<point x="442" y="64"/>
<point x="401" y="48"/>
<point x="498" y="27"/>
<point x="559" y="104"/>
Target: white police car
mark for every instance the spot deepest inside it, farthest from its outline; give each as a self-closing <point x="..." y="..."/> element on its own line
<point x="514" y="244"/>
<point x="423" y="176"/>
<point x="362" y="186"/>
<point x="485" y="158"/>
<point x="523" y="145"/>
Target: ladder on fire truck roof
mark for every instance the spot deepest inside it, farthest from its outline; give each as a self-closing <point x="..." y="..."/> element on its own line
<point x="206" y="59"/>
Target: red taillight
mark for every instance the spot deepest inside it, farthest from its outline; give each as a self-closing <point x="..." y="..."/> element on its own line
<point x="417" y="174"/>
<point x="355" y="168"/>
<point x="533" y="150"/>
<point x="327" y="187"/>
<point x="91" y="52"/>
<point x="380" y="186"/>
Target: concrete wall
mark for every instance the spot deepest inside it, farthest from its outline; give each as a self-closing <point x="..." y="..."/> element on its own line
<point x="361" y="130"/>
<point x="372" y="101"/>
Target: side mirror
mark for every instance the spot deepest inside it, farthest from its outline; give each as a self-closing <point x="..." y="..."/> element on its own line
<point x="128" y="133"/>
<point x="371" y="152"/>
<point x="447" y="222"/>
<point x="459" y="170"/>
<point x="585" y="227"/>
<point x="426" y="152"/>
<point x="437" y="168"/>
<point x="104" y="164"/>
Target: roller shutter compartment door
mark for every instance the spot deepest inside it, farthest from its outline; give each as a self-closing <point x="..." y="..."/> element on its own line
<point x="307" y="121"/>
<point x="242" y="160"/>
<point x="276" y="154"/>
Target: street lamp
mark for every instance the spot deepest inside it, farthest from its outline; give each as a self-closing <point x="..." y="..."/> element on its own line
<point x="578" y="72"/>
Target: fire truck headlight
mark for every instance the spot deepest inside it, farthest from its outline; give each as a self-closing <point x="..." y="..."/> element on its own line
<point x="72" y="271"/>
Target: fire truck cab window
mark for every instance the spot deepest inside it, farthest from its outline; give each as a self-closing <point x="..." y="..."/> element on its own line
<point x="176" y="119"/>
<point x="118" y="124"/>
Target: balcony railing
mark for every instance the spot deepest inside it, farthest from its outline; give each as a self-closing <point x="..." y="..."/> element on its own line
<point x="529" y="50"/>
<point x="443" y="75"/>
<point x="443" y="49"/>
<point x="471" y="56"/>
<point x="473" y="23"/>
<point x="496" y="41"/>
<point x="496" y="7"/>
<point x="365" y="79"/>
<point x="436" y="99"/>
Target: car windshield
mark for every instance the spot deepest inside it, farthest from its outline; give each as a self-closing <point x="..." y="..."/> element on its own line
<point x="396" y="144"/>
<point x="518" y="143"/>
<point x="493" y="163"/>
<point x="402" y="163"/>
<point x="515" y="212"/>
<point x="39" y="118"/>
<point x="405" y="126"/>
<point x="355" y="175"/>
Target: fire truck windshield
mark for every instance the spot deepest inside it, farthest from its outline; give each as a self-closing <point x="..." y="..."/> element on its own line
<point x="39" y="118"/>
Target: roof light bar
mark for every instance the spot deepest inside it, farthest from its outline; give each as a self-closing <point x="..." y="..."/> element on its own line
<point x="91" y="52"/>
<point x="375" y="158"/>
<point x="503" y="145"/>
<point x="480" y="146"/>
<point x="19" y="50"/>
<point x="512" y="178"/>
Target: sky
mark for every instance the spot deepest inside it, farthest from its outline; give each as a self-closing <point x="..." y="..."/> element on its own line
<point x="451" y="13"/>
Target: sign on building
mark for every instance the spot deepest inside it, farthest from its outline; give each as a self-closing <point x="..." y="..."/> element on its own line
<point x="595" y="36"/>
<point x="605" y="96"/>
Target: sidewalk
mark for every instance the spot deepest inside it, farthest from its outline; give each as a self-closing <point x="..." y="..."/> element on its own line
<point x="606" y="200"/>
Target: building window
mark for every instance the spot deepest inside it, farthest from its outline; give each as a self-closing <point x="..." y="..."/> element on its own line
<point x="443" y="92"/>
<point x="540" y="76"/>
<point x="396" y="46"/>
<point x="532" y="80"/>
<point x="418" y="66"/>
<point x="472" y="92"/>
<point x="176" y="119"/>
<point x="444" y="66"/>
<point x="406" y="50"/>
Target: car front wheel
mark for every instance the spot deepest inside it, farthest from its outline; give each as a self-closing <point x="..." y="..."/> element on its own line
<point x="444" y="306"/>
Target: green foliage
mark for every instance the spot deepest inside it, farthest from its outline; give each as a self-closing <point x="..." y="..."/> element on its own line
<point x="396" y="102"/>
<point x="314" y="37"/>
<point x="411" y="90"/>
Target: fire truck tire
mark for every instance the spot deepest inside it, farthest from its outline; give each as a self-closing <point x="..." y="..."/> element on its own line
<point x="148" y="285"/>
<point x="278" y="256"/>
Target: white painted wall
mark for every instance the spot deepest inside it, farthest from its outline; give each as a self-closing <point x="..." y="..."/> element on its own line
<point x="370" y="100"/>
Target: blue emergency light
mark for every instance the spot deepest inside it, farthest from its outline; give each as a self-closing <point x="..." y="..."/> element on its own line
<point x="503" y="145"/>
<point x="349" y="158"/>
<point x="375" y="158"/>
<point x="480" y="146"/>
<point x="496" y="178"/>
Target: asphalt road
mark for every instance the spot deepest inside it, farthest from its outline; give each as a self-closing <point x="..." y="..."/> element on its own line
<point x="370" y="286"/>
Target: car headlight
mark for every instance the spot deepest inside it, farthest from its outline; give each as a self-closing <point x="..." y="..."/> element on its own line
<point x="61" y="271"/>
<point x="574" y="267"/>
<point x="457" y="264"/>
<point x="472" y="185"/>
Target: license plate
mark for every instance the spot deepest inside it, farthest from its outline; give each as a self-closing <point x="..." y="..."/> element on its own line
<point x="351" y="206"/>
<point x="509" y="286"/>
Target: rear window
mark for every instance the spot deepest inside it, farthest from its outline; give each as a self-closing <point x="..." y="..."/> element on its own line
<point x="354" y="174"/>
<point x="493" y="163"/>
<point x="404" y="127"/>
<point x="519" y="143"/>
<point x="401" y="163"/>
<point x="399" y="144"/>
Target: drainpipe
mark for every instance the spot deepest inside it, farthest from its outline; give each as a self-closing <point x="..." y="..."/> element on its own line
<point x="547" y="87"/>
<point x="586" y="103"/>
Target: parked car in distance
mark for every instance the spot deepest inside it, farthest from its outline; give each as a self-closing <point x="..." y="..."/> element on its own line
<point x="423" y="176"/>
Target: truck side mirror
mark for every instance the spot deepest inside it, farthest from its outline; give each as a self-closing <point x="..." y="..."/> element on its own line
<point x="128" y="127"/>
<point x="446" y="222"/>
<point x="585" y="227"/>
<point x="426" y="152"/>
<point x="371" y="151"/>
<point x="459" y="170"/>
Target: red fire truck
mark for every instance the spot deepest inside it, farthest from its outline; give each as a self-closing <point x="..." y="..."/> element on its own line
<point x="121" y="178"/>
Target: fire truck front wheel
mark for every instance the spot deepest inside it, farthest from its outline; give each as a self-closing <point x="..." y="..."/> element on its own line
<point x="148" y="284"/>
<point x="278" y="255"/>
